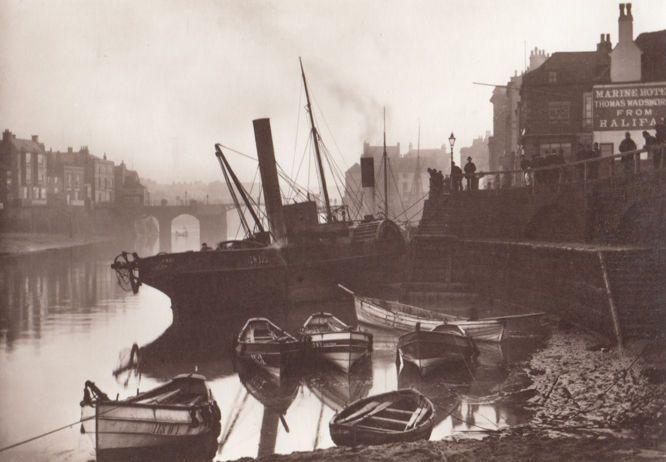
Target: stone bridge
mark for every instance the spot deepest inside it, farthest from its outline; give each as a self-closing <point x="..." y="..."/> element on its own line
<point x="212" y="220"/>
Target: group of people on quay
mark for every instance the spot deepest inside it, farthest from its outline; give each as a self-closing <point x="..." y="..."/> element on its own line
<point x="535" y="169"/>
<point x="454" y="183"/>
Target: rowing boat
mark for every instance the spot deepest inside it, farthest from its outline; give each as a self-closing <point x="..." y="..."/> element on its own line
<point x="428" y="350"/>
<point x="268" y="346"/>
<point x="329" y="338"/>
<point x="395" y="315"/>
<point x="396" y="416"/>
<point x="180" y="415"/>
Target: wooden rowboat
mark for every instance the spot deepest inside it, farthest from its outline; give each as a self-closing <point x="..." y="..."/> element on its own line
<point x="180" y="415"/>
<point x="395" y="315"/>
<point x="327" y="337"/>
<point x="397" y="416"/>
<point x="268" y="346"/>
<point x="428" y="350"/>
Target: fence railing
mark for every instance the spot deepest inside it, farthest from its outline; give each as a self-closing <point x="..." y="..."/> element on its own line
<point x="616" y="167"/>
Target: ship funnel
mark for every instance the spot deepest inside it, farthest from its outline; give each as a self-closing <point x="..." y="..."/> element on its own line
<point x="269" y="178"/>
<point x="368" y="184"/>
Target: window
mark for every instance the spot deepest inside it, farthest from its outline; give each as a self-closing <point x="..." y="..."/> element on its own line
<point x="606" y="149"/>
<point x="546" y="149"/>
<point x="559" y="112"/>
<point x="587" y="111"/>
<point x="552" y="77"/>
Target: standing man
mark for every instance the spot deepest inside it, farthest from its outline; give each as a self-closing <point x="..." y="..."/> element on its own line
<point x="627" y="145"/>
<point x="649" y="146"/>
<point x="593" y="167"/>
<point x="456" y="177"/>
<point x="470" y="170"/>
<point x="525" y="166"/>
<point x="660" y="140"/>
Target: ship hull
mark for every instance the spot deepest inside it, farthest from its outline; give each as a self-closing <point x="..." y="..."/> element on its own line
<point x="204" y="285"/>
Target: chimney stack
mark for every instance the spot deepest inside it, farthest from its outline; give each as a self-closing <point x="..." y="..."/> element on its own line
<point x="604" y="44"/>
<point x="626" y="24"/>
<point x="626" y="56"/>
<point x="35" y="138"/>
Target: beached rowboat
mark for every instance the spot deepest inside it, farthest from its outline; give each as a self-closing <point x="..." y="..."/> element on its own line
<point x="180" y="415"/>
<point x="327" y="337"/>
<point x="428" y="350"/>
<point x="397" y="416"/>
<point x="268" y="346"/>
<point x="395" y="315"/>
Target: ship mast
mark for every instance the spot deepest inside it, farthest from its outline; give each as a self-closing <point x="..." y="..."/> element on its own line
<point x="385" y="160"/>
<point x="315" y="139"/>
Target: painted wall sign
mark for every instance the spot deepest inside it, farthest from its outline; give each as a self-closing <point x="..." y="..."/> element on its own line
<point x="629" y="107"/>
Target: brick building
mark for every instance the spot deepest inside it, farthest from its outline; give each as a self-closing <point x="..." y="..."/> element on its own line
<point x="23" y="169"/>
<point x="578" y="98"/>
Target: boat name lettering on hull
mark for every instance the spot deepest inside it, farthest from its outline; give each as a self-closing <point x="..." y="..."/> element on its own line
<point x="258" y="260"/>
<point x="165" y="429"/>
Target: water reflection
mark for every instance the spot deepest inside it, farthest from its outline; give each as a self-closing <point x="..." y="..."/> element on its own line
<point x="63" y="320"/>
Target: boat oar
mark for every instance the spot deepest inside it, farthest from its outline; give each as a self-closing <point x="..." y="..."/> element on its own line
<point x="513" y="316"/>
<point x="284" y="423"/>
<point x="367" y="408"/>
<point x="376" y="410"/>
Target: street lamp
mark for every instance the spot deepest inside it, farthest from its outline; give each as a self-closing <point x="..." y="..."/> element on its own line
<point x="452" y="141"/>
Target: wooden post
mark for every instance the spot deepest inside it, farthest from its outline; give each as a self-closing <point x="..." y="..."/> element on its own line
<point x="637" y="162"/>
<point x="612" y="170"/>
<point x="611" y="303"/>
<point x="585" y="176"/>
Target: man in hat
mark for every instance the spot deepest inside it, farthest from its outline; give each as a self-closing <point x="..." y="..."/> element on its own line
<point x="470" y="170"/>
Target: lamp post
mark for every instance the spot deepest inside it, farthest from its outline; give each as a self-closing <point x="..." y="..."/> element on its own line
<point x="452" y="141"/>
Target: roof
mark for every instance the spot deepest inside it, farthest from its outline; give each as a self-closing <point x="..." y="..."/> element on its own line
<point x="653" y="60"/>
<point x="572" y="67"/>
<point x="27" y="145"/>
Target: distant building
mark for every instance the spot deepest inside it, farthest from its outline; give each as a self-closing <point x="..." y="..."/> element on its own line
<point x="504" y="146"/>
<point x="101" y="172"/>
<point x="128" y="188"/>
<point x="480" y="155"/>
<point x="22" y="171"/>
<point x="408" y="180"/>
<point x="69" y="179"/>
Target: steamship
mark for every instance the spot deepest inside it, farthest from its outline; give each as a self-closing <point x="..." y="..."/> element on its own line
<point x="297" y="259"/>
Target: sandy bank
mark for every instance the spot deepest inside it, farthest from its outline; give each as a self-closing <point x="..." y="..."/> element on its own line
<point x="514" y="445"/>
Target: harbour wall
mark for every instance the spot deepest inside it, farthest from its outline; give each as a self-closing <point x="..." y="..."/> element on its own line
<point x="592" y="253"/>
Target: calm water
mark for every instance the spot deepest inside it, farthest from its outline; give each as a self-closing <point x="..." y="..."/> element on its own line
<point x="63" y="319"/>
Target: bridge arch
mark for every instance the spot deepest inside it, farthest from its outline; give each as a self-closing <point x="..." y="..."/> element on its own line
<point x="185" y="232"/>
<point x="554" y="222"/>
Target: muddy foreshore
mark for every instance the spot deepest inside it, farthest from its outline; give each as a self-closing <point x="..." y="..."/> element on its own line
<point x="588" y="402"/>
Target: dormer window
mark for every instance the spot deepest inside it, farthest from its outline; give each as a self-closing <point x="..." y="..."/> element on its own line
<point x="552" y="77"/>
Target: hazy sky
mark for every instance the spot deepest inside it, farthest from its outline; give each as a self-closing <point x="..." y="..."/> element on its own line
<point x="157" y="83"/>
